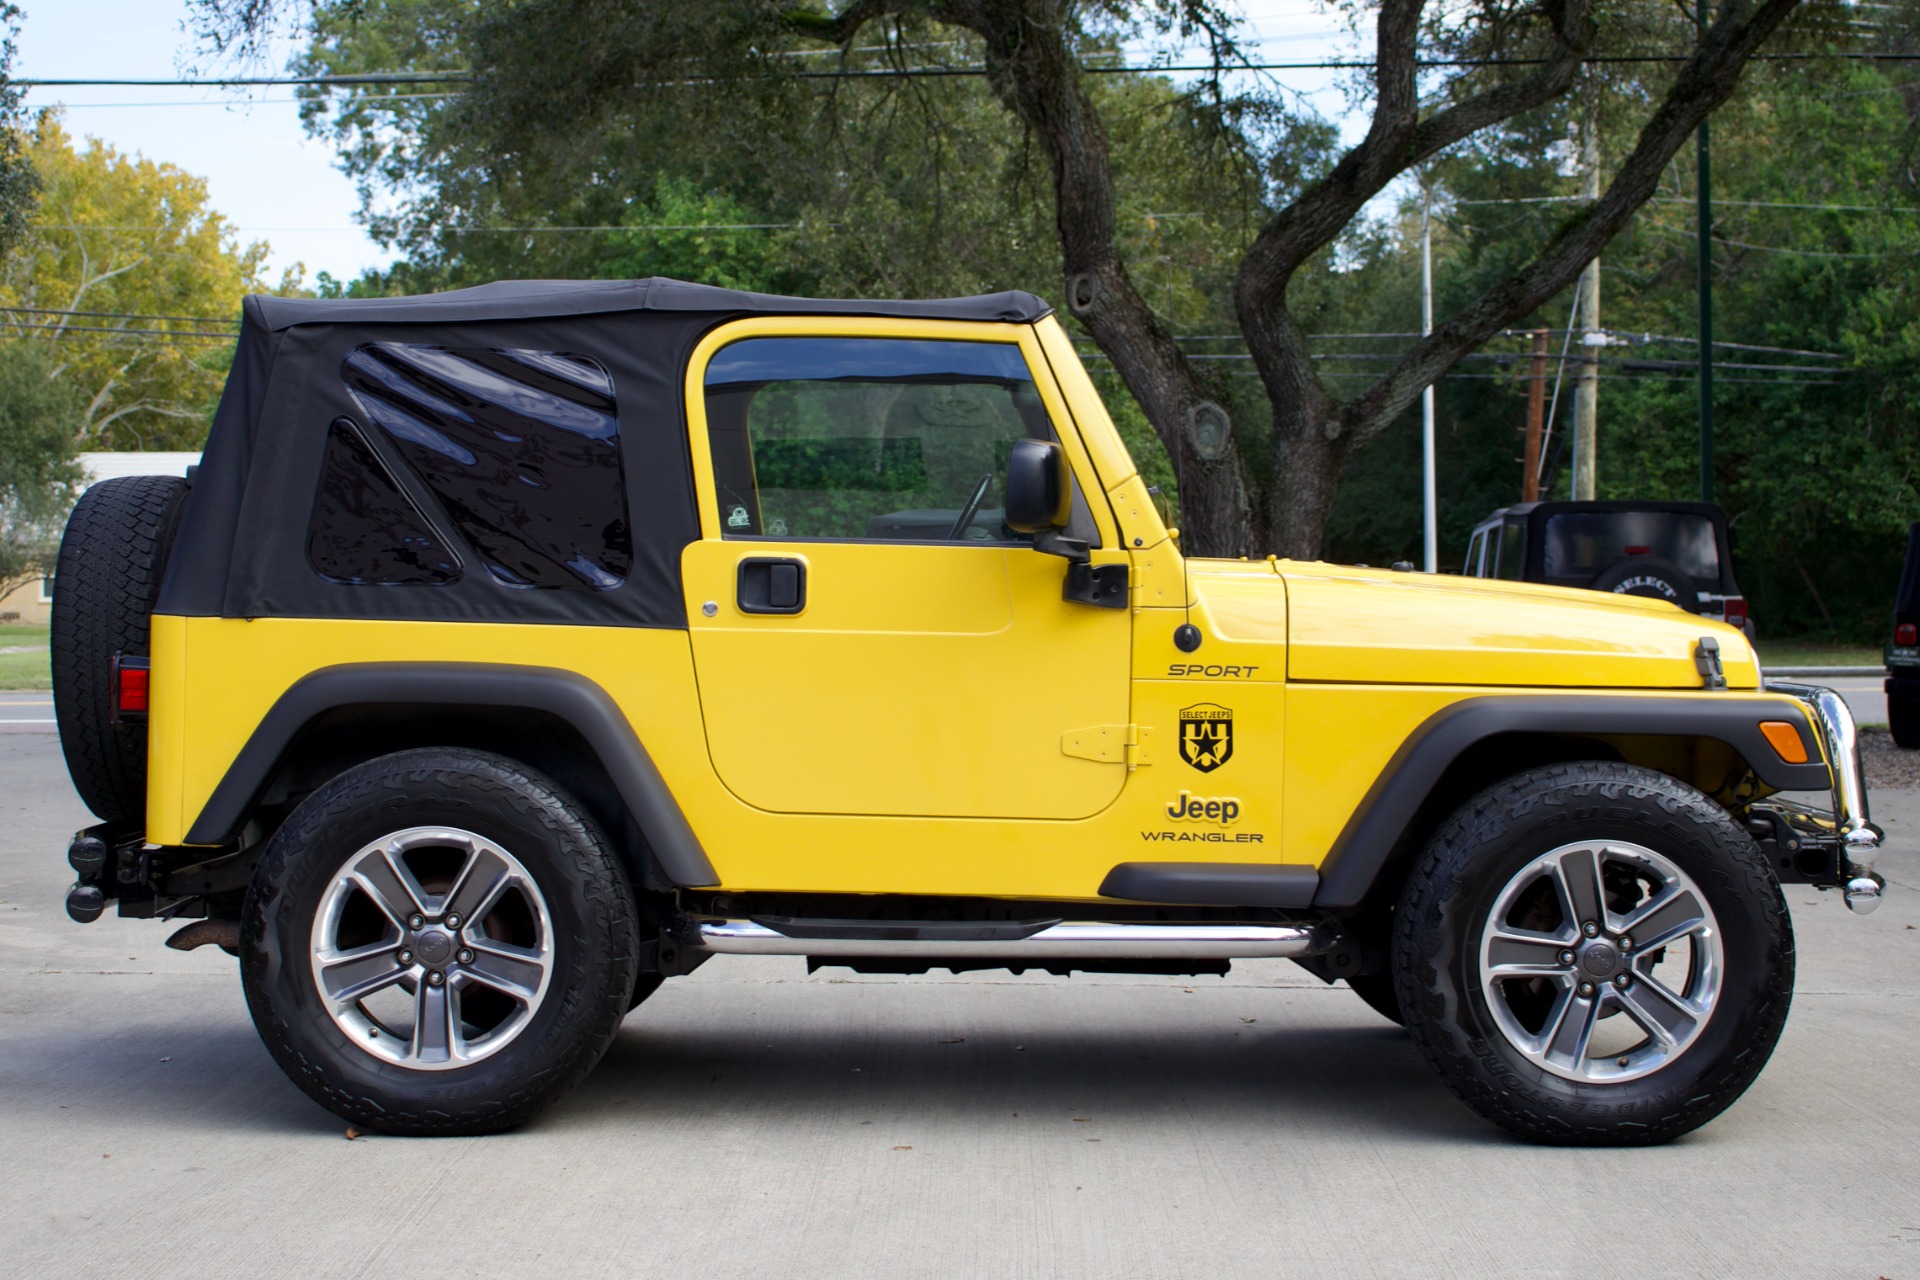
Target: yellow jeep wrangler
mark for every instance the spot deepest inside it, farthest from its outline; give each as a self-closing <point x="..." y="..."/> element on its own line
<point x="514" y="649"/>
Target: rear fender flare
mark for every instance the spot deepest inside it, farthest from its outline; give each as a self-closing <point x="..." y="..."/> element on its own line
<point x="566" y="695"/>
<point x="1383" y="817"/>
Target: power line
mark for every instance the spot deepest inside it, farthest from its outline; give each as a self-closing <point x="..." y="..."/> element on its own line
<point x="1324" y="64"/>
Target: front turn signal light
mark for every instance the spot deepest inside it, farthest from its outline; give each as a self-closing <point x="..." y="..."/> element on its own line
<point x="1785" y="740"/>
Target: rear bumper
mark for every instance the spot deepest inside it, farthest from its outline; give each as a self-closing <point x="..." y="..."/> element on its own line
<point x="1859" y="839"/>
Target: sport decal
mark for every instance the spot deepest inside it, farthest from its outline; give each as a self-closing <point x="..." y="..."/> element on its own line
<point x="1206" y="736"/>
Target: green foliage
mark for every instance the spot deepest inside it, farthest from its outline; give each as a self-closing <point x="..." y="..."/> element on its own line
<point x="1817" y="468"/>
<point x="19" y="182"/>
<point x="39" y="422"/>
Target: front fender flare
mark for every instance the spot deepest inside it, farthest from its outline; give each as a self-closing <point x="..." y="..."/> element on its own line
<point x="1383" y="816"/>
<point x="581" y="703"/>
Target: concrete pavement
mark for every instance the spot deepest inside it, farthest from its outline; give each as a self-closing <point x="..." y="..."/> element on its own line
<point x="755" y="1121"/>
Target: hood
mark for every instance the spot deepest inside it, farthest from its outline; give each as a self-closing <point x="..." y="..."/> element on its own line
<point x="1373" y="626"/>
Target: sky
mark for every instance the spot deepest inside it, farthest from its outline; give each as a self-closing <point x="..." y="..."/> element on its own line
<point x="275" y="184"/>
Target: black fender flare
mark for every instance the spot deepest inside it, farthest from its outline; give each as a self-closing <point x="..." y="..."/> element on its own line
<point x="571" y="697"/>
<point x="1384" y="814"/>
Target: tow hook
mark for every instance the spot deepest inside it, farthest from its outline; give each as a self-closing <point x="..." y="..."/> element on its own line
<point x="1863" y="893"/>
<point x="87" y="855"/>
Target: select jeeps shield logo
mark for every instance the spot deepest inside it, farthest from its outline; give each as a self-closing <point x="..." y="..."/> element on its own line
<point x="1206" y="736"/>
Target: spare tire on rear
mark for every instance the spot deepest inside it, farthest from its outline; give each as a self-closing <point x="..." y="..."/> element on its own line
<point x="105" y="584"/>
<point x="1649" y="576"/>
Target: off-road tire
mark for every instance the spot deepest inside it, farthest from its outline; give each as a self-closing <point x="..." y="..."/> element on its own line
<point x="585" y="888"/>
<point x="1381" y="994"/>
<point x="1449" y="894"/>
<point x="112" y="558"/>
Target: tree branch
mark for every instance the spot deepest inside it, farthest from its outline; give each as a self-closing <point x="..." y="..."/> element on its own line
<point x="1705" y="81"/>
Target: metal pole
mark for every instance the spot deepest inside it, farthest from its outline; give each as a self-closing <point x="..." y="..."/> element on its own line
<point x="1704" y="261"/>
<point x="1431" y="514"/>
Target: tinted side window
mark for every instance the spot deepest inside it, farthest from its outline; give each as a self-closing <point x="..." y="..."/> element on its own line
<point x="520" y="448"/>
<point x="1475" y="545"/>
<point x="1513" y="549"/>
<point x="364" y="530"/>
<point x="868" y="438"/>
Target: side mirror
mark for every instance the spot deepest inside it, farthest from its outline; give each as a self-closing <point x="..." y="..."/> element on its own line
<point x="1039" y="495"/>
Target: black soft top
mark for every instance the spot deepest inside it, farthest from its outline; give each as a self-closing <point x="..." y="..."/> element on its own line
<point x="535" y="299"/>
<point x="243" y="544"/>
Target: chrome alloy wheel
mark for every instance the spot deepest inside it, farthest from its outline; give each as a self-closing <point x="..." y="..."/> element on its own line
<point x="1601" y="961"/>
<point x="432" y="948"/>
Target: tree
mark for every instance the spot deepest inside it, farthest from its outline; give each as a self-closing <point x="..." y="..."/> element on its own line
<point x="1817" y="431"/>
<point x="129" y="281"/>
<point x="1033" y="55"/>
<point x="546" y="71"/>
<point x="18" y="182"/>
<point x="39" y="419"/>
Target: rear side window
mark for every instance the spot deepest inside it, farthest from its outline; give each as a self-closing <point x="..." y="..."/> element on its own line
<point x="519" y="448"/>
<point x="1513" y="549"/>
<point x="868" y="438"/>
<point x="1578" y="545"/>
<point x="365" y="530"/>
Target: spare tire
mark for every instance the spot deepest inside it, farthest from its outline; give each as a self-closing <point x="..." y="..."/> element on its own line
<point x="104" y="587"/>
<point x="1649" y="576"/>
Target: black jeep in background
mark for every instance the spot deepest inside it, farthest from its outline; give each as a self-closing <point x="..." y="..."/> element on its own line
<point x="1675" y="551"/>
<point x="1903" y="655"/>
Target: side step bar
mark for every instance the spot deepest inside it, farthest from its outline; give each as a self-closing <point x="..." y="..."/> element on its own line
<point x="1037" y="940"/>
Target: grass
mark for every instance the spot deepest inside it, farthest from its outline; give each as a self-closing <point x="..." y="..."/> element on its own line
<point x="1791" y="653"/>
<point x="25" y="671"/>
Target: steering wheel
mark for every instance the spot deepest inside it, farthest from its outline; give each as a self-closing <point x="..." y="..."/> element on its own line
<point x="968" y="512"/>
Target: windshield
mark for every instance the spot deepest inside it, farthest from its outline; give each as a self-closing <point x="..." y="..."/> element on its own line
<point x="1581" y="544"/>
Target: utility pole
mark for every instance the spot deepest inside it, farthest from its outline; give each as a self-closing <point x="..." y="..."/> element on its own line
<point x="1536" y="417"/>
<point x="1586" y="387"/>
<point x="1704" y="262"/>
<point x="1430" y="514"/>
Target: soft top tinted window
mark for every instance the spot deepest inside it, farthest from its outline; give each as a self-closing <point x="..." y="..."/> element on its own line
<point x="1580" y="544"/>
<point x="521" y="448"/>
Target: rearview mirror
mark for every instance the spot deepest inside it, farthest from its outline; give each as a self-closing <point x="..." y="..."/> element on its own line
<point x="1039" y="495"/>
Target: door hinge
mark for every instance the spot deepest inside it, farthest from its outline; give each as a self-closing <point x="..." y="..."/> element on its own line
<point x="1109" y="744"/>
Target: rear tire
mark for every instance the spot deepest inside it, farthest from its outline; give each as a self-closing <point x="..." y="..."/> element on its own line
<point x="1636" y="1040"/>
<point x="112" y="558"/>
<point x="464" y="995"/>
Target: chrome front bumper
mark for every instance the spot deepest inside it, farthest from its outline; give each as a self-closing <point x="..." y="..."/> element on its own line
<point x="1852" y="821"/>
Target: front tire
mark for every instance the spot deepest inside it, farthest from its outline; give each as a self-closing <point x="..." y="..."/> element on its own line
<point x="1594" y="954"/>
<point x="438" y="942"/>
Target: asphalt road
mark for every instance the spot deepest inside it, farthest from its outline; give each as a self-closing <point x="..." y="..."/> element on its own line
<point x="754" y="1121"/>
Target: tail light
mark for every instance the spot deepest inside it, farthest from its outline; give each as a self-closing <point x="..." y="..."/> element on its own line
<point x="1906" y="635"/>
<point x="1736" y="611"/>
<point x="129" y="686"/>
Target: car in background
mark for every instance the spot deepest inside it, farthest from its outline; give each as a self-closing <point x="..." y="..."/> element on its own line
<point x="1903" y="655"/>
<point x="1673" y="551"/>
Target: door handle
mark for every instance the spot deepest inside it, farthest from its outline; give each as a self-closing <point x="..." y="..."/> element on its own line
<point x="771" y="584"/>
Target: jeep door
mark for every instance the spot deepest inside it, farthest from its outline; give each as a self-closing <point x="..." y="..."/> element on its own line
<point x="868" y="636"/>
